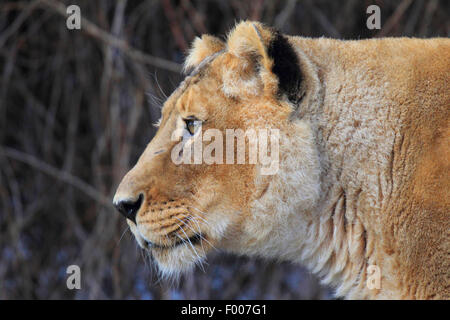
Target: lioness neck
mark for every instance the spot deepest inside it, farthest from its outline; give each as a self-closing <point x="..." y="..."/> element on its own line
<point x="343" y="207"/>
<point x="360" y="126"/>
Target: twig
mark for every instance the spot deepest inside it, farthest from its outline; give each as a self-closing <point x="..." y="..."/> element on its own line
<point x="283" y="16"/>
<point x="394" y="19"/>
<point x="94" y="31"/>
<point x="324" y="22"/>
<point x="174" y="25"/>
<point x="56" y="173"/>
<point x="429" y="12"/>
<point x="18" y="22"/>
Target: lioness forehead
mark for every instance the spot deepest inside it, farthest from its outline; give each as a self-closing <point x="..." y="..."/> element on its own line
<point x="193" y="78"/>
<point x="197" y="73"/>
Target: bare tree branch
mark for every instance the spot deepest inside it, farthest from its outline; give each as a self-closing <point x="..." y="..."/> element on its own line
<point x="94" y="31"/>
<point x="57" y="174"/>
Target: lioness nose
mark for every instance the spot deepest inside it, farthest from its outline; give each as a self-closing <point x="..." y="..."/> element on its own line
<point x="129" y="208"/>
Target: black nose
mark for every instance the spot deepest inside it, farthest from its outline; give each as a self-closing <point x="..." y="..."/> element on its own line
<point x="129" y="209"/>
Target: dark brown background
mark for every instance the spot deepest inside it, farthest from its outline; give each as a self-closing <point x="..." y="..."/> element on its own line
<point x="76" y="108"/>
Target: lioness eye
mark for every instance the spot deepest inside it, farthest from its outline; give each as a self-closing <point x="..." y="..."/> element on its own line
<point x="190" y="125"/>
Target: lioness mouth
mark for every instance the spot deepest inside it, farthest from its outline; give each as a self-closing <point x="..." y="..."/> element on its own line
<point x="195" y="239"/>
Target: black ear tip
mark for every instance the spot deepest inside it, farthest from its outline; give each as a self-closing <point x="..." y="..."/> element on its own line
<point x="286" y="66"/>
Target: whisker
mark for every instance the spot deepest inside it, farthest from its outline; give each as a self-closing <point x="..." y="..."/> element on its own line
<point x="142" y="251"/>
<point x="203" y="238"/>
<point x="190" y="243"/>
<point x="206" y="222"/>
<point x="185" y="243"/>
<point x="187" y="240"/>
<point x="155" y="100"/>
<point x="204" y="213"/>
<point x="159" y="87"/>
<point x="195" y="232"/>
<point x="123" y="233"/>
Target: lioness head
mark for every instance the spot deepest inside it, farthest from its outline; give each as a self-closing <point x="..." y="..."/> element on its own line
<point x="256" y="80"/>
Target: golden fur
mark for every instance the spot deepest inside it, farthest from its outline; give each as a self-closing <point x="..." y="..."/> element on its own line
<point x="364" y="174"/>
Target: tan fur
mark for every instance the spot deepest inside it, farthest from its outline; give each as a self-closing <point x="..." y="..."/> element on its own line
<point x="364" y="173"/>
<point x="202" y="48"/>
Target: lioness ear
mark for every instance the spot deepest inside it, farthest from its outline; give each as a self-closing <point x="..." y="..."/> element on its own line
<point x="249" y="40"/>
<point x="202" y="48"/>
<point x="278" y="63"/>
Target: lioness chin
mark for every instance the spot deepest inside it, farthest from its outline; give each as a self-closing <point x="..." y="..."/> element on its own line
<point x="363" y="181"/>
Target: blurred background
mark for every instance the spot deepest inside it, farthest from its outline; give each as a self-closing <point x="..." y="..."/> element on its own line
<point x="76" y="108"/>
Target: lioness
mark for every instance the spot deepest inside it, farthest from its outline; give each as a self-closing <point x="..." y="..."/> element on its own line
<point x="363" y="185"/>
